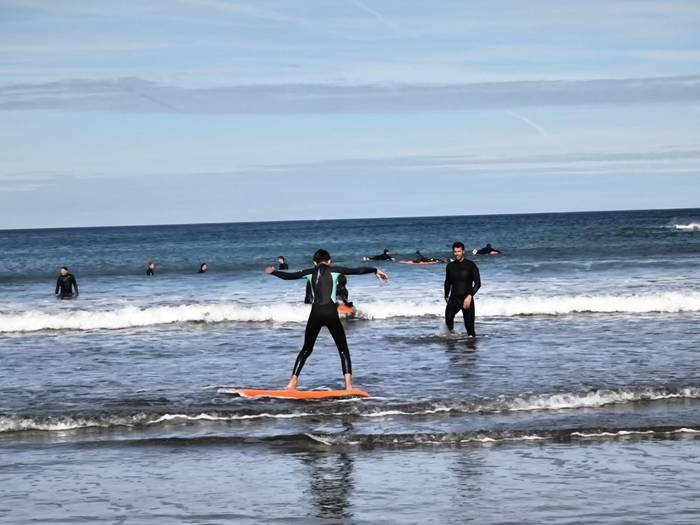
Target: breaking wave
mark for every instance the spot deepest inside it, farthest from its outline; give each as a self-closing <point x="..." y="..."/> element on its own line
<point x="134" y="316"/>
<point x="690" y="227"/>
<point x="364" y="409"/>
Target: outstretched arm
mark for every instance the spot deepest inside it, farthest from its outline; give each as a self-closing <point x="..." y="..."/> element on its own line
<point x="288" y="276"/>
<point x="58" y="285"/>
<point x="383" y="277"/>
<point x="352" y="271"/>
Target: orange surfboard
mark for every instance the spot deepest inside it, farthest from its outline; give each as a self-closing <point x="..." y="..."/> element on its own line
<point x="296" y="394"/>
<point x="345" y="310"/>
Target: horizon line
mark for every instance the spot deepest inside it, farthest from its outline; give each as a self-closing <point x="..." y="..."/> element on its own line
<point x="337" y="219"/>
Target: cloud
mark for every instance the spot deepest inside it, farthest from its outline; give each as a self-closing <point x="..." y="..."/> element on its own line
<point x="141" y="96"/>
<point x="539" y="129"/>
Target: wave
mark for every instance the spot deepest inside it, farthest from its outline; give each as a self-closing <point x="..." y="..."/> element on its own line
<point x="134" y="316"/>
<point x="495" y="437"/>
<point x="692" y="227"/>
<point x="365" y="409"/>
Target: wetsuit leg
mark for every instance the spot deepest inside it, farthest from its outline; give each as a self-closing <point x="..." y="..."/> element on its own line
<point x="313" y="327"/>
<point x="469" y="318"/>
<point x="454" y="305"/>
<point x="338" y="333"/>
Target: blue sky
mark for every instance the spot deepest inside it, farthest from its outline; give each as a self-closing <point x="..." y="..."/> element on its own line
<point x="222" y="110"/>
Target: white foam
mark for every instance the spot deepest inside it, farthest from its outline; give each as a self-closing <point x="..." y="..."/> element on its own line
<point x="668" y="302"/>
<point x="489" y="306"/>
<point x="693" y="226"/>
<point x="596" y="398"/>
<point x="65" y="423"/>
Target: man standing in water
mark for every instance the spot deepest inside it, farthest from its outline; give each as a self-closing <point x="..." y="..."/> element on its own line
<point x="324" y="312"/>
<point x="462" y="281"/>
<point x="65" y="284"/>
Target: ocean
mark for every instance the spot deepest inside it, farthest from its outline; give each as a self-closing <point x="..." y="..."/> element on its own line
<point x="577" y="402"/>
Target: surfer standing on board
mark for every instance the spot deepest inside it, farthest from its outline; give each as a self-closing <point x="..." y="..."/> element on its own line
<point x="324" y="280"/>
<point x="462" y="281"/>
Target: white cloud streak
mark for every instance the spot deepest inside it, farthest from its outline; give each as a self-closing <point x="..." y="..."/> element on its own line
<point x="134" y="95"/>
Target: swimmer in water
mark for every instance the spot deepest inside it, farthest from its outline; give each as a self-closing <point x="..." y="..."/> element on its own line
<point x="486" y="250"/>
<point x="65" y="284"/>
<point x="384" y="256"/>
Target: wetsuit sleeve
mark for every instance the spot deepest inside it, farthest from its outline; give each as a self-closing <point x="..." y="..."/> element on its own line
<point x="477" y="280"/>
<point x="75" y="285"/>
<point x="58" y="285"/>
<point x="448" y="282"/>
<point x="353" y="271"/>
<point x="289" y="276"/>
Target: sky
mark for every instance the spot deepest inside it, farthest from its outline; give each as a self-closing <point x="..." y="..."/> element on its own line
<point x="183" y="111"/>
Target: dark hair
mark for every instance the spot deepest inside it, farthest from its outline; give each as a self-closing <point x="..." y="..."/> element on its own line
<point x="321" y="256"/>
<point x="458" y="245"/>
<point x="65" y="268"/>
<point x="281" y="257"/>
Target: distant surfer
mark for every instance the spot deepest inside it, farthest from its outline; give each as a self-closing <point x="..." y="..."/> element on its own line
<point x="341" y="292"/>
<point x="151" y="268"/>
<point x="282" y="263"/>
<point x="462" y="281"/>
<point x="203" y="268"/>
<point x="384" y="256"/>
<point x="323" y="279"/>
<point x="419" y="258"/>
<point x="486" y="250"/>
<point x="65" y="284"/>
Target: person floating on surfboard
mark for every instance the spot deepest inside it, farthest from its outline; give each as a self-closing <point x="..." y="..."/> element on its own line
<point x="384" y="256"/>
<point x="462" y="281"/>
<point x="486" y="250"/>
<point x="324" y="280"/>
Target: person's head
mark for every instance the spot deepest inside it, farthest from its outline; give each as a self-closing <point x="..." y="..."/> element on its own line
<point x="63" y="270"/>
<point x="417" y="252"/>
<point x="151" y="264"/>
<point x="203" y="268"/>
<point x="458" y="250"/>
<point x="322" y="257"/>
<point x="488" y="246"/>
<point x="342" y="280"/>
<point x="386" y="251"/>
<point x="281" y="259"/>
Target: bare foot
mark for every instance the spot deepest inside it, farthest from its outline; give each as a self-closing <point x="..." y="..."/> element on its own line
<point x="348" y="381"/>
<point x="292" y="385"/>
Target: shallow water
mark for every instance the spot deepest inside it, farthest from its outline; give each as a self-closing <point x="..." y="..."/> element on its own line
<point x="579" y="400"/>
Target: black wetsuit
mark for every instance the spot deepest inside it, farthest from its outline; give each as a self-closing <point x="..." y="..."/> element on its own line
<point x="150" y="271"/>
<point x="341" y="291"/>
<point x="381" y="257"/>
<point x="487" y="250"/>
<point x="283" y="266"/>
<point x="65" y="284"/>
<point x="324" y="312"/>
<point x="461" y="279"/>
